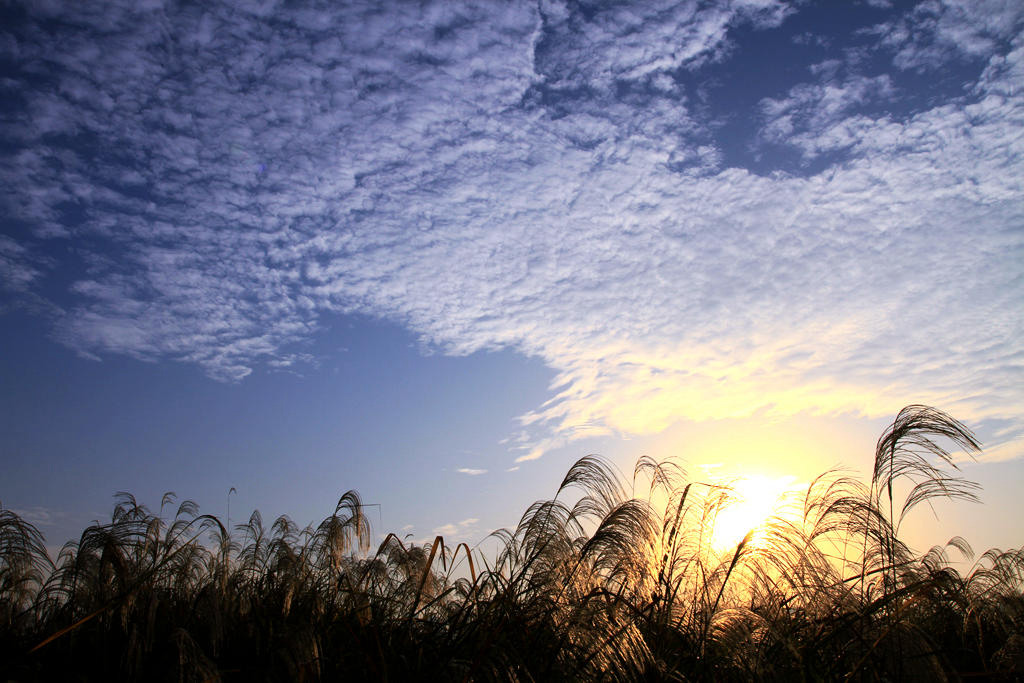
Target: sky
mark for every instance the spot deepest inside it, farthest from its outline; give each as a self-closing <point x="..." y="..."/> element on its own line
<point x="436" y="252"/>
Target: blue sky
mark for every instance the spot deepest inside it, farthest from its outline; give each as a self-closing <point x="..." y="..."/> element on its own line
<point x="437" y="251"/>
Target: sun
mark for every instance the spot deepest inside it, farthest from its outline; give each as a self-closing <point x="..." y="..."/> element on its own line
<point x="752" y="500"/>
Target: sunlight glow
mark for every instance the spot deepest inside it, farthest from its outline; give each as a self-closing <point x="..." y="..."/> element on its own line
<point x="753" y="501"/>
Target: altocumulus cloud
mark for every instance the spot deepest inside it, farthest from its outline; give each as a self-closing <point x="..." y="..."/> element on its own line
<point x="471" y="471"/>
<point x="545" y="177"/>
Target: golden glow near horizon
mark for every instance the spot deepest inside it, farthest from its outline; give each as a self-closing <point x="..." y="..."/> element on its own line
<point x="752" y="502"/>
<point x="765" y="463"/>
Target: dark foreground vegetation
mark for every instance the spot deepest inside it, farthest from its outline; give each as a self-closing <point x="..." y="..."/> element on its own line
<point x="608" y="581"/>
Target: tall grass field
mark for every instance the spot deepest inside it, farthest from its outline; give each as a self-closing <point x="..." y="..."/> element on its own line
<point x="614" y="579"/>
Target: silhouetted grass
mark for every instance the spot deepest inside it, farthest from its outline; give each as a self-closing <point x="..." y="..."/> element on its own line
<point x="610" y="580"/>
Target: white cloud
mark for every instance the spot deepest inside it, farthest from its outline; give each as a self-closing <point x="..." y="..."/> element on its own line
<point x="935" y="31"/>
<point x="456" y="532"/>
<point x="808" y="109"/>
<point x="473" y="173"/>
<point x="446" y="530"/>
<point x="633" y="41"/>
<point x="16" y="272"/>
<point x="471" y="471"/>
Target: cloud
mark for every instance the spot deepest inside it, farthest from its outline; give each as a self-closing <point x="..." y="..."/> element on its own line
<point x="456" y="532"/>
<point x="532" y="177"/>
<point x="40" y="516"/>
<point x="811" y="108"/>
<point x="16" y="273"/>
<point x="470" y="471"/>
<point x="21" y="271"/>
<point x="937" y="31"/>
<point x="446" y="530"/>
<point x="597" y="46"/>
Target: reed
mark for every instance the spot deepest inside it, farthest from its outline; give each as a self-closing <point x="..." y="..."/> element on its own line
<point x="611" y="579"/>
